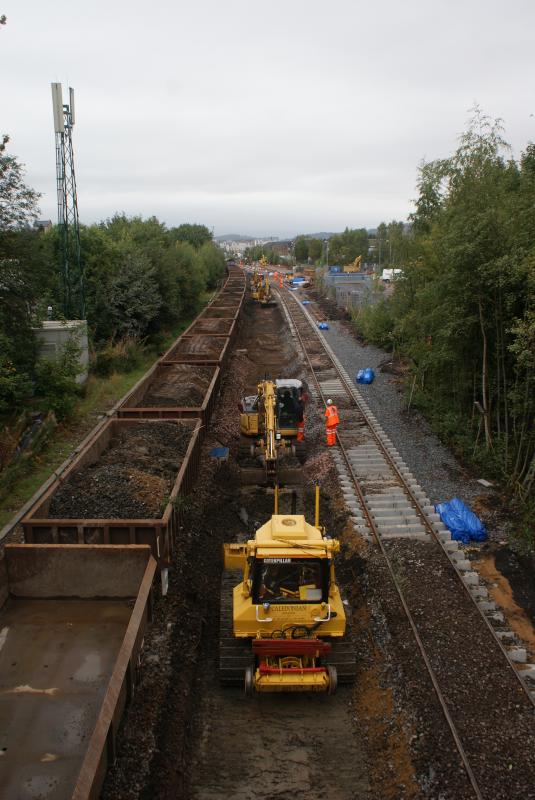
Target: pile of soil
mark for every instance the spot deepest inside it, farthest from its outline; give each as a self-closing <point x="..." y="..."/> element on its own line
<point x="179" y="385"/>
<point x="212" y="326"/>
<point x="208" y="346"/>
<point x="132" y="478"/>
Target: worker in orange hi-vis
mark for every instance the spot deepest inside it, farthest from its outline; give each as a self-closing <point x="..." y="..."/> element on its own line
<point x="281" y="284"/>
<point x="332" y="421"/>
<point x="276" y="275"/>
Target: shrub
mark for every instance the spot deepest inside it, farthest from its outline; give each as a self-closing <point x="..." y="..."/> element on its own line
<point x="122" y="356"/>
<point x="56" y="381"/>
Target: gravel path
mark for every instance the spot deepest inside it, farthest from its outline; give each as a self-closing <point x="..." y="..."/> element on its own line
<point x="433" y="465"/>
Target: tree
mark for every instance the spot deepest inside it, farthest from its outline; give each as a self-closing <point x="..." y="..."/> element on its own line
<point x="301" y="250"/>
<point x="193" y="234"/>
<point x="133" y="297"/>
<point x="18" y="203"/>
<point x="315" y="249"/>
<point x="345" y="247"/>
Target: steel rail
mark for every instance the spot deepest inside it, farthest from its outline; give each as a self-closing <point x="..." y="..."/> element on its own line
<point x="407" y="489"/>
<point x="373" y="527"/>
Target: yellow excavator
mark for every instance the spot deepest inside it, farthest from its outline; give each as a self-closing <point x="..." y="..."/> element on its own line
<point x="264" y="295"/>
<point x="274" y="419"/>
<point x="256" y="280"/>
<point x="354" y="266"/>
<point x="283" y="621"/>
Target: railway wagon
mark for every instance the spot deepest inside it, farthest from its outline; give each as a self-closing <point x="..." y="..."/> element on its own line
<point x="147" y="465"/>
<point x="199" y="349"/>
<point x="221" y="325"/>
<point x="221" y="312"/>
<point x="179" y="390"/>
<point x="74" y="619"/>
<point x="226" y="310"/>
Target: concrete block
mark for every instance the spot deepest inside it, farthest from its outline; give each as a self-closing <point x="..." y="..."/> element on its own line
<point x="471" y="578"/>
<point x="479" y="591"/>
<point x="463" y="564"/>
<point x="518" y="654"/>
<point x="529" y="673"/>
<point x="486" y="605"/>
<point x="451" y="545"/>
<point x="506" y="637"/>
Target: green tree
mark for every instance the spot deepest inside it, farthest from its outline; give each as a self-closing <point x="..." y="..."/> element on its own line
<point x="133" y="295"/>
<point x="301" y="250"/>
<point x="315" y="249"/>
<point x="345" y="247"/>
<point x="193" y="234"/>
<point x="18" y="202"/>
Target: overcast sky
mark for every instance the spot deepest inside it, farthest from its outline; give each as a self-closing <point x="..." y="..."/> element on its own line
<point x="257" y="117"/>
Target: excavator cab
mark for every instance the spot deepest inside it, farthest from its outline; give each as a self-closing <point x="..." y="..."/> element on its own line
<point x="290" y="406"/>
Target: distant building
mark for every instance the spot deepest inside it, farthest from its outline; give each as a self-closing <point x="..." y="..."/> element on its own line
<point x="43" y="224"/>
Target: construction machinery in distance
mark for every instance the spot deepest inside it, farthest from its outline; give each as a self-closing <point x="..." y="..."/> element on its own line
<point x="261" y="291"/>
<point x="283" y="621"/>
<point x="273" y="419"/>
<point x="354" y="266"/>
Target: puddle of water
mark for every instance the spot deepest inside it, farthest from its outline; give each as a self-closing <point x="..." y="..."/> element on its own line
<point x="90" y="669"/>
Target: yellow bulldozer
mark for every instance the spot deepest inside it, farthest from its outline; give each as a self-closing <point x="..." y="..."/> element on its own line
<point x="283" y="621"/>
<point x="274" y="420"/>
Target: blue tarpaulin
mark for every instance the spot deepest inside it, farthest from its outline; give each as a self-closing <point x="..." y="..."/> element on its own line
<point x="464" y="525"/>
<point x="305" y="302"/>
<point x="365" y="375"/>
<point x="323" y="326"/>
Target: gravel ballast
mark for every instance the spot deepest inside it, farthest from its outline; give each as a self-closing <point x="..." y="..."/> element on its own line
<point x="433" y="465"/>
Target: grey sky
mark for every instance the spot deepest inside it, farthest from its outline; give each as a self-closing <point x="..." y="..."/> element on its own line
<point x="259" y="117"/>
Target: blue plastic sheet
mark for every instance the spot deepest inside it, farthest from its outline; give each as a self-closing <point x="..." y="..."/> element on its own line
<point x="305" y="302"/>
<point x="365" y="375"/>
<point x="323" y="326"/>
<point x="465" y="526"/>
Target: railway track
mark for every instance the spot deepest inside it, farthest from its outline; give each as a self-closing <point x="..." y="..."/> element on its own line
<point x="492" y="726"/>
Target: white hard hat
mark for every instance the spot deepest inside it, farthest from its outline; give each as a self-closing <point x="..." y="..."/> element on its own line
<point x="329" y="402"/>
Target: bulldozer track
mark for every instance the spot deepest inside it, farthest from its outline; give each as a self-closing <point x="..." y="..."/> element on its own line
<point x="386" y="505"/>
<point x="234" y="654"/>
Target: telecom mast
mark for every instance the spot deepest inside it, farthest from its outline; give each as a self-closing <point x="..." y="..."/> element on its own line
<point x="68" y="222"/>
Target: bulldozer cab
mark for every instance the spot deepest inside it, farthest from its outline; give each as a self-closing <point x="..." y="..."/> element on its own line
<point x="290" y="580"/>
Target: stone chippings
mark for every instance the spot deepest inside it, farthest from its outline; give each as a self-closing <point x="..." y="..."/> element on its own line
<point x="433" y="465"/>
<point x="132" y="479"/>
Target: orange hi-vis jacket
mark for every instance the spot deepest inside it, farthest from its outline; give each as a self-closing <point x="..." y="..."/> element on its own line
<point x="331" y="417"/>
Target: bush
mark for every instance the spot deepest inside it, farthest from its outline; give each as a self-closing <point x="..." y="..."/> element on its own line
<point x="56" y="381"/>
<point x="122" y="356"/>
<point x="15" y="386"/>
<point x="376" y="324"/>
